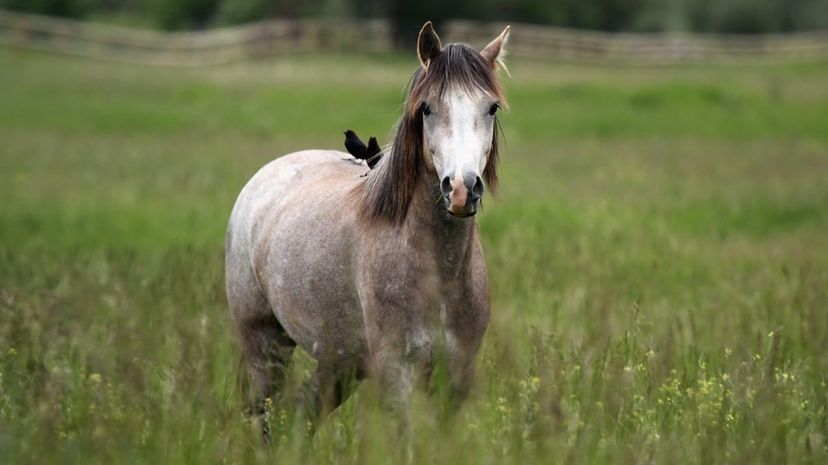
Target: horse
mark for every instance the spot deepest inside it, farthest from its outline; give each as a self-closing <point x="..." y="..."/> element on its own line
<point x="373" y="276"/>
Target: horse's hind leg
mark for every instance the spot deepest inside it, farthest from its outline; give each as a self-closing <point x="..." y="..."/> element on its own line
<point x="266" y="348"/>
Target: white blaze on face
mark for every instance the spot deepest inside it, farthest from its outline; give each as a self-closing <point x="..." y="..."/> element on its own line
<point x="458" y="133"/>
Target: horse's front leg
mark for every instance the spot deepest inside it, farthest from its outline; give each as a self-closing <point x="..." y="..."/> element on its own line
<point x="463" y="336"/>
<point x="395" y="294"/>
<point x="395" y="371"/>
<point x="399" y="348"/>
<point x="327" y="388"/>
<point x="461" y="368"/>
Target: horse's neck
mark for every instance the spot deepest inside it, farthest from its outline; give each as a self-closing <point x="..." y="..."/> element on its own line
<point x="429" y="223"/>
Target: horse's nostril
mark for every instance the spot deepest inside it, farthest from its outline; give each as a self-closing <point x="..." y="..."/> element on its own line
<point x="477" y="189"/>
<point x="445" y="186"/>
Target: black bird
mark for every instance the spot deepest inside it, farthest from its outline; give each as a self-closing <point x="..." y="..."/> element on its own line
<point x="370" y="153"/>
<point x="354" y="145"/>
<point x="374" y="152"/>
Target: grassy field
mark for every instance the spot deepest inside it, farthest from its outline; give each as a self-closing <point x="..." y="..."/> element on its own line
<point x="658" y="255"/>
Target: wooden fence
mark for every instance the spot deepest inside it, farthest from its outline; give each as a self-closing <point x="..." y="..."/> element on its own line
<point x="198" y="48"/>
<point x="273" y="37"/>
<point x="543" y="42"/>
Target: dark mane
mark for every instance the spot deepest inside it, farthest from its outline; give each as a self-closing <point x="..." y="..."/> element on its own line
<point x="387" y="193"/>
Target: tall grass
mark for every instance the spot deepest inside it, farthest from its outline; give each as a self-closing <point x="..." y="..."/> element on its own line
<point x="658" y="256"/>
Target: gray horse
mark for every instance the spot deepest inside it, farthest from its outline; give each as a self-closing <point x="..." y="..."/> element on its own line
<point x="374" y="276"/>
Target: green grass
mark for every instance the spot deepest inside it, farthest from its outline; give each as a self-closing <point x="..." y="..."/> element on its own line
<point x="658" y="255"/>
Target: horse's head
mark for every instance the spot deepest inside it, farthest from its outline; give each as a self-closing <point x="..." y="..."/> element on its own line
<point x="449" y="129"/>
<point x="456" y="96"/>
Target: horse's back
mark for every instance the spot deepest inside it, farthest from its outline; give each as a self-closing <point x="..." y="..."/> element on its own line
<point x="290" y="240"/>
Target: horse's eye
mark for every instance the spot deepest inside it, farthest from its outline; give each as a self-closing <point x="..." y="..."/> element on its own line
<point x="493" y="109"/>
<point x="426" y="109"/>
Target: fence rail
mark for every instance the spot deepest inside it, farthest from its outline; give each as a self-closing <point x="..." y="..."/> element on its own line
<point x="278" y="36"/>
<point x="199" y="48"/>
<point x="653" y="48"/>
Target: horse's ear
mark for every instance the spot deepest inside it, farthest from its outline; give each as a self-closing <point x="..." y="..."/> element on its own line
<point x="495" y="51"/>
<point x="428" y="45"/>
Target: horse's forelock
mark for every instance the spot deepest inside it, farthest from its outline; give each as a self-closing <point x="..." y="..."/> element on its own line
<point x="457" y="68"/>
<point x="387" y="193"/>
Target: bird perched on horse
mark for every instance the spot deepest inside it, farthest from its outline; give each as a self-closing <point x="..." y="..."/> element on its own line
<point x="372" y="153"/>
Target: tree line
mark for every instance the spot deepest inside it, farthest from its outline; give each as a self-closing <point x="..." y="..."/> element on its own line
<point x="722" y="16"/>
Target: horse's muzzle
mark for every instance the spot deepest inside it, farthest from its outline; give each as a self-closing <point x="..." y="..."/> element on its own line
<point x="462" y="195"/>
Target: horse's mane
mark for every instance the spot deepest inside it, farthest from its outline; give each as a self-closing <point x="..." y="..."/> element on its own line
<point x="387" y="192"/>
